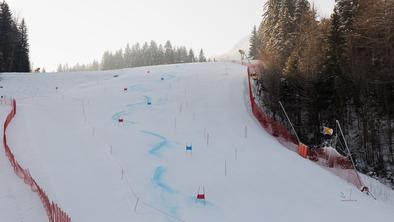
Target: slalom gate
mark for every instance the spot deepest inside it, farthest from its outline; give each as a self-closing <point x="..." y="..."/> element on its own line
<point x="326" y="157"/>
<point x="53" y="211"/>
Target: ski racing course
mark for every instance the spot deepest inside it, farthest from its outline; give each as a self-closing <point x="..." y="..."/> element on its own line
<point x="141" y="144"/>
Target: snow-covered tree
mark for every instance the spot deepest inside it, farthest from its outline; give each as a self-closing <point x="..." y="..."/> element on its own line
<point x="268" y="29"/>
<point x="346" y="10"/>
<point x="254" y="45"/>
<point x="169" y="53"/>
<point x="286" y="28"/>
<point x="201" y="57"/>
<point x="191" y="56"/>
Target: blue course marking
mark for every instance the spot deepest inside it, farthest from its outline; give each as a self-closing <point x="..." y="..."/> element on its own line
<point x="157" y="180"/>
<point x="118" y="115"/>
<point x="146" y="99"/>
<point x="137" y="88"/>
<point x="157" y="148"/>
<point x="129" y="110"/>
<point x="192" y="200"/>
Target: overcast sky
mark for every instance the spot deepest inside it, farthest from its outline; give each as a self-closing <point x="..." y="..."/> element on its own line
<point x="71" y="31"/>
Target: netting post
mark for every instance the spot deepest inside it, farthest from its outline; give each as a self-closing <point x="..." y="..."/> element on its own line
<point x="291" y="124"/>
<point x="348" y="150"/>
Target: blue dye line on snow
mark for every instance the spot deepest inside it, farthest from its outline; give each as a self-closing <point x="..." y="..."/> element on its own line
<point x="146" y="99"/>
<point x="157" y="148"/>
<point x="130" y="109"/>
<point x="157" y="180"/>
<point x="137" y="88"/>
<point x="192" y="200"/>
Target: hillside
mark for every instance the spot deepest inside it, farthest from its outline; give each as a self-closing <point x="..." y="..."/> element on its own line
<point x="67" y="132"/>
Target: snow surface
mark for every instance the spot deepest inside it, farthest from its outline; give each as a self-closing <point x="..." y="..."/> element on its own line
<point x="98" y="169"/>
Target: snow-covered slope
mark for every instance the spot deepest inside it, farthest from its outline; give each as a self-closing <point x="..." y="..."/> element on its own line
<point x="98" y="169"/>
<point x="17" y="202"/>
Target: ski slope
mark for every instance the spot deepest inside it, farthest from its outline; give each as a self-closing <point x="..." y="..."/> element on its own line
<point x="67" y="132"/>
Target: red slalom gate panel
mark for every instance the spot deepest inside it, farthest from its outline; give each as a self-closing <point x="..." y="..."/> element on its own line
<point x="201" y="196"/>
<point x="326" y="157"/>
<point x="54" y="213"/>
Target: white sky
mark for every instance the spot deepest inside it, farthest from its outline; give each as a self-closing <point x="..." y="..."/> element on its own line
<point x="71" y="31"/>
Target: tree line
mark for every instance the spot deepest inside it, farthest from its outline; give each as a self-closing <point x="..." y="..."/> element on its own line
<point x="140" y="55"/>
<point x="340" y="68"/>
<point x="14" y="46"/>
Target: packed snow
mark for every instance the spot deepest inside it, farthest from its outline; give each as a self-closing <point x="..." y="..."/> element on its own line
<point x="140" y="144"/>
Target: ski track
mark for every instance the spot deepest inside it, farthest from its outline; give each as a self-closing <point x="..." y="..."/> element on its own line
<point x="157" y="180"/>
<point x="155" y="150"/>
<point x="131" y="108"/>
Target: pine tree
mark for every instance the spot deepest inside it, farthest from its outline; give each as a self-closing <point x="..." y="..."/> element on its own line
<point x="154" y="53"/>
<point x="136" y="56"/>
<point x="14" y="47"/>
<point x="161" y="56"/>
<point x="346" y="10"/>
<point x="292" y="65"/>
<point x="201" y="57"/>
<point x="336" y="41"/>
<point x="95" y="66"/>
<point x="191" y="56"/>
<point x="183" y="54"/>
<point x="23" y="64"/>
<point x="307" y="40"/>
<point x="60" y="68"/>
<point x="177" y="55"/>
<point x="276" y="32"/>
<point x="6" y="41"/>
<point x="255" y="45"/>
<point x="106" y="61"/>
<point x="128" y="56"/>
<point x="144" y="54"/>
<point x="301" y="11"/>
<point x="169" y="53"/>
<point x="286" y="28"/>
<point x="268" y="28"/>
<point x="330" y="101"/>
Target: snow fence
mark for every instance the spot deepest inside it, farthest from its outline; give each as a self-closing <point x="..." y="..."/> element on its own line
<point x="326" y="157"/>
<point x="54" y="212"/>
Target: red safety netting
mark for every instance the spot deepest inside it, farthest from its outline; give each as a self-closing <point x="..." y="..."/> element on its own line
<point x="329" y="158"/>
<point x="273" y="127"/>
<point x="337" y="164"/>
<point x="54" y="212"/>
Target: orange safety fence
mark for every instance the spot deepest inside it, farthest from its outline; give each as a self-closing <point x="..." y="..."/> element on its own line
<point x="328" y="158"/>
<point x="53" y="211"/>
<point x="273" y="127"/>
